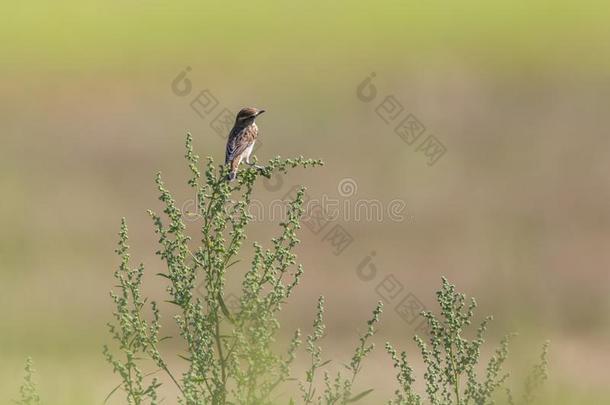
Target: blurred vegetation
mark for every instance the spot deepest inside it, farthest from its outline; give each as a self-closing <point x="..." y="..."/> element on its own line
<point x="28" y="392"/>
<point x="516" y="213"/>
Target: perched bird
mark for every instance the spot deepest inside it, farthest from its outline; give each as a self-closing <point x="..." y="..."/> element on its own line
<point x="241" y="139"/>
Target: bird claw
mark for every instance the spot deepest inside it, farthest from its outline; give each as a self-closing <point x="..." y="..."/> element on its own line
<point x="262" y="170"/>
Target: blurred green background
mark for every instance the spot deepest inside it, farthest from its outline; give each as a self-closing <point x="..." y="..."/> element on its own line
<point x="515" y="213"/>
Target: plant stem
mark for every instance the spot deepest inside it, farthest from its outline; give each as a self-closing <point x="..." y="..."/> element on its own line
<point x="222" y="362"/>
<point x="164" y="367"/>
<point x="456" y="376"/>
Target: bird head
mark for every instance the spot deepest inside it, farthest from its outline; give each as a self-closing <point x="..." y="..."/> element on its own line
<point x="247" y="115"/>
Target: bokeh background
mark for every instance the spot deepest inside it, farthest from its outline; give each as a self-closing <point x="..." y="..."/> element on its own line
<point x="515" y="212"/>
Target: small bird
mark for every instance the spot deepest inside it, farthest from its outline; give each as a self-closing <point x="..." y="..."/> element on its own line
<point x="241" y="139"/>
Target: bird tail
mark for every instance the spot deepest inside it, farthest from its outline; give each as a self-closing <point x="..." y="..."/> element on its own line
<point x="233" y="166"/>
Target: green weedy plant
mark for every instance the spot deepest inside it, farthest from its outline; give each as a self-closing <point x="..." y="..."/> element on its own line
<point x="28" y="392"/>
<point x="451" y="360"/>
<point x="229" y="354"/>
<point x="339" y="389"/>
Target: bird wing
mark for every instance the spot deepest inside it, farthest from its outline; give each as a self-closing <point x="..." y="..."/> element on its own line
<point x="238" y="142"/>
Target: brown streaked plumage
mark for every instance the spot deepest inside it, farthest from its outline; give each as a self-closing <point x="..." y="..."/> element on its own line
<point x="241" y="139"/>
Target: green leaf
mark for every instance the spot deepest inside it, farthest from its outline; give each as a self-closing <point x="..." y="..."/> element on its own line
<point x="185" y="358"/>
<point x="360" y="396"/>
<point x="224" y="309"/>
<point x="112" y="392"/>
<point x="231" y="264"/>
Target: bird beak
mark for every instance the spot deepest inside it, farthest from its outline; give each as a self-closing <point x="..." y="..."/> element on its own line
<point x="260" y="112"/>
